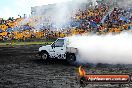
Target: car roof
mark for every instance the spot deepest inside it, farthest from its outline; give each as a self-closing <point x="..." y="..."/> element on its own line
<point x="66" y="39"/>
<point x="61" y="38"/>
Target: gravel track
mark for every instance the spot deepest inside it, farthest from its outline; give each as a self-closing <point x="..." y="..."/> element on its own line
<point x="20" y="68"/>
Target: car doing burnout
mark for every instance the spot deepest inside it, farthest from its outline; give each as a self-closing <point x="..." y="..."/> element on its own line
<point x="59" y="49"/>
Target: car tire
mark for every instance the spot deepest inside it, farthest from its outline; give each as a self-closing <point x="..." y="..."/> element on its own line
<point x="44" y="56"/>
<point x="71" y="58"/>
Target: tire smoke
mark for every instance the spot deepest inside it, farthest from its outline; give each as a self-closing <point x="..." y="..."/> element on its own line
<point x="108" y="49"/>
<point x="59" y="15"/>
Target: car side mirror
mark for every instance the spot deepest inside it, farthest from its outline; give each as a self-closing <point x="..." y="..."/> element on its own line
<point x="53" y="46"/>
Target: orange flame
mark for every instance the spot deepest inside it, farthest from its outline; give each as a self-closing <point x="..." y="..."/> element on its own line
<point x="81" y="71"/>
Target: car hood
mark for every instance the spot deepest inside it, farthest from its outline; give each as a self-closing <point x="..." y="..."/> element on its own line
<point x="44" y="47"/>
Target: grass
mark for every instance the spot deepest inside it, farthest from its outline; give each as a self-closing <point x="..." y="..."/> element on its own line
<point x="27" y="42"/>
<point x="23" y="43"/>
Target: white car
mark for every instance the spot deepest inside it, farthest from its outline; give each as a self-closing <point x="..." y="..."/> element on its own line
<point x="60" y="50"/>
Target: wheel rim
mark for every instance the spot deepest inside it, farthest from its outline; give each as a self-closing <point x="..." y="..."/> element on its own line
<point x="44" y="56"/>
<point x="71" y="58"/>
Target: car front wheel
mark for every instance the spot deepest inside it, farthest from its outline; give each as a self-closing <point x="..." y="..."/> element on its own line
<point x="44" y="56"/>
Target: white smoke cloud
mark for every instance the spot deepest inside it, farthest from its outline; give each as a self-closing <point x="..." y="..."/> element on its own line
<point x="110" y="49"/>
<point x="60" y="13"/>
<point x="64" y="11"/>
<point x="124" y="3"/>
<point x="94" y="2"/>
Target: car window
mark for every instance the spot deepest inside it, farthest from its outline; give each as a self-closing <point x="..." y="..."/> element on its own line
<point x="59" y="43"/>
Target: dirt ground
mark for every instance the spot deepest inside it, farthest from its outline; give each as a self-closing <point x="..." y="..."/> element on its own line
<point x="20" y="68"/>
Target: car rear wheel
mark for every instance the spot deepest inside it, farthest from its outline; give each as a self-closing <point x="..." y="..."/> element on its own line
<point x="71" y="58"/>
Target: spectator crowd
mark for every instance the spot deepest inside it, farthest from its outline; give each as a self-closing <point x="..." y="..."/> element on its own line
<point x="102" y="19"/>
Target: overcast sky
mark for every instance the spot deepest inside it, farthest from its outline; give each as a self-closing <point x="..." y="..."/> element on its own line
<point x="13" y="8"/>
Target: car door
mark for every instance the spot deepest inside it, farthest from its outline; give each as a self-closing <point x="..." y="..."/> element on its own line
<point x="59" y="48"/>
